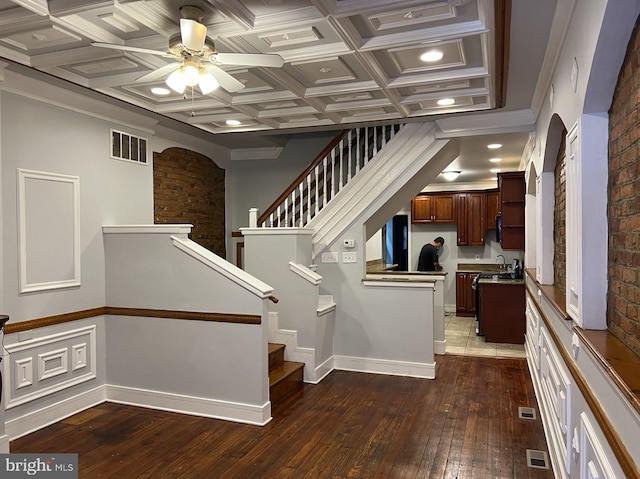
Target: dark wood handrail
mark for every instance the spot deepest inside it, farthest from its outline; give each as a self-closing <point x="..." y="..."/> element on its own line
<point x="294" y="184"/>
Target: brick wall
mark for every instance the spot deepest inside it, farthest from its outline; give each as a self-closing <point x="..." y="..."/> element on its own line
<point x="623" y="296"/>
<point x="189" y="188"/>
<point x="559" y="221"/>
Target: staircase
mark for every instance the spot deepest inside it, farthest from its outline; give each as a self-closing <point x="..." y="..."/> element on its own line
<point x="285" y="377"/>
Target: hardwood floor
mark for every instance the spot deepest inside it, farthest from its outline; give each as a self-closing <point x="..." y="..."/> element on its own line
<point x="462" y="425"/>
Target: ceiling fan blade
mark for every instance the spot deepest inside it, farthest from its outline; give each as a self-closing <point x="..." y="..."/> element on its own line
<point x="250" y="59"/>
<point x="225" y="80"/>
<point x="159" y="73"/>
<point x="125" y="48"/>
<point x="193" y="34"/>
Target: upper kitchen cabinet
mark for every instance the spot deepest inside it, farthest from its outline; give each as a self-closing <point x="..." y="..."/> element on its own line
<point x="433" y="208"/>
<point x="511" y="186"/>
<point x="492" y="208"/>
<point x="471" y="217"/>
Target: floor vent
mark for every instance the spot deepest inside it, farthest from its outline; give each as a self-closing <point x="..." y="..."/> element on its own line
<point x="526" y="412"/>
<point x="537" y="459"/>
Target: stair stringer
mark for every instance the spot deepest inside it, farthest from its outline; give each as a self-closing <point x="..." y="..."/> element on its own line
<point x="394" y="165"/>
<point x="293" y="352"/>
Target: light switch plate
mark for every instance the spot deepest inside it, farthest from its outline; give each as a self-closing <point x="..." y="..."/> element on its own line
<point x="349" y="257"/>
<point x="330" y="257"/>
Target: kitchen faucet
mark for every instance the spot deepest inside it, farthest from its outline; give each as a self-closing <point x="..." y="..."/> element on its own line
<point x="504" y="261"/>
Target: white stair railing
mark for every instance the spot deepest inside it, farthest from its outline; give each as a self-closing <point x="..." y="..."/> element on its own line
<point x="330" y="172"/>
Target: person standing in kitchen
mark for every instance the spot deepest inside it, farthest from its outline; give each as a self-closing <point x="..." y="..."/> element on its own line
<point x="428" y="259"/>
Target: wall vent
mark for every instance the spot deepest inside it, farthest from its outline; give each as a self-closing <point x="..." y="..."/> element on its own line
<point x="537" y="459"/>
<point x="526" y="413"/>
<point x="125" y="146"/>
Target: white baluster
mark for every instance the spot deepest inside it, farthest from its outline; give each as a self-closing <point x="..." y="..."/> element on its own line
<point x="286" y="211"/>
<point x="315" y="172"/>
<point x="324" y="182"/>
<point x="300" y="197"/>
<point x="341" y="168"/>
<point x="278" y="216"/>
<point x="333" y="172"/>
<point x="358" y="148"/>
<point x="308" y="197"/>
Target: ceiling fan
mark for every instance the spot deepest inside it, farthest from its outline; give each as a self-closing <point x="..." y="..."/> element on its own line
<point x="199" y="60"/>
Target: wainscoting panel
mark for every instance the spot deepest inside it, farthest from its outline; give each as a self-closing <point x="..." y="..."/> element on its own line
<point x="48" y="230"/>
<point x="61" y="361"/>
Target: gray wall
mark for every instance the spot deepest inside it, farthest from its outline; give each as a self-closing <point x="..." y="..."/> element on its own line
<point x="257" y="183"/>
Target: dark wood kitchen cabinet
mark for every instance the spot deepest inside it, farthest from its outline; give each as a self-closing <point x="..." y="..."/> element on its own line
<point x="502" y="312"/>
<point x="465" y="294"/>
<point x="492" y="208"/>
<point x="433" y="208"/>
<point x="471" y="218"/>
<point x="512" y="193"/>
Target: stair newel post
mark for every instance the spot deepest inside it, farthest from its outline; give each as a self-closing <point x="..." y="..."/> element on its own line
<point x="253" y="217"/>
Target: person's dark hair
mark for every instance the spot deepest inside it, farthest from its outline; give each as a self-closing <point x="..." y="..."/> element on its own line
<point x="439" y="239"/>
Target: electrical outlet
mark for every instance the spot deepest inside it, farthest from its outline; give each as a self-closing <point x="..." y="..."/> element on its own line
<point x="349" y="257"/>
<point x="330" y="257"/>
<point x="477" y="257"/>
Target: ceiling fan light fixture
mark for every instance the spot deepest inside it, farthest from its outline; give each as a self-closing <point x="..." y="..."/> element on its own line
<point x="177" y="81"/>
<point x="450" y="175"/>
<point x="207" y="82"/>
<point x="187" y="75"/>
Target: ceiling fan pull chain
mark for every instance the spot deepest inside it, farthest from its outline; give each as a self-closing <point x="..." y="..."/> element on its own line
<point x="192" y="112"/>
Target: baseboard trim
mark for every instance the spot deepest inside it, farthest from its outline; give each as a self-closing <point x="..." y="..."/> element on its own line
<point x="4" y="444"/>
<point x="195" y="406"/>
<point x="323" y="370"/>
<point x="45" y="416"/>
<point x="440" y="347"/>
<point x="385" y="366"/>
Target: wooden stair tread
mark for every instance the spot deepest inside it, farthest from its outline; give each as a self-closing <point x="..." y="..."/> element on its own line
<point x="273" y="347"/>
<point x="282" y="372"/>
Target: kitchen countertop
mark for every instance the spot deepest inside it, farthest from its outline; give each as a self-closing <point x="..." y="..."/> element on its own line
<point x="500" y="281"/>
<point x="480" y="268"/>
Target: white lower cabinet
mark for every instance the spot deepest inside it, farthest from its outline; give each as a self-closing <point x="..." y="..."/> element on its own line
<point x="577" y="446"/>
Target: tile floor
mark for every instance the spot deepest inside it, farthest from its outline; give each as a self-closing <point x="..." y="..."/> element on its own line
<point x="460" y="333"/>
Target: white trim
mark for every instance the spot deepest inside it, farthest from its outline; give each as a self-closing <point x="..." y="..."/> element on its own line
<point x="195" y="406"/>
<point x="326" y="304"/>
<point x="398" y="284"/>
<point x="74" y="181"/>
<point x="47" y="415"/>
<point x="385" y="366"/>
<point x="148" y="229"/>
<point x="440" y="347"/>
<point x="275" y="231"/>
<point x="4" y="444"/>
<point x="323" y="370"/>
<point x="305" y="273"/>
<point x="223" y="267"/>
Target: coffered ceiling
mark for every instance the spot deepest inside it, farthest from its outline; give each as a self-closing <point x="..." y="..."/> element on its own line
<point x="346" y="62"/>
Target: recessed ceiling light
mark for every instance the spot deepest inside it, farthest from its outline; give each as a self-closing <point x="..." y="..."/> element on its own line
<point x="494" y="146"/>
<point x="495" y="160"/>
<point x="160" y="91"/>
<point x="232" y="122"/>
<point x="495" y="170"/>
<point x="325" y="70"/>
<point x="450" y="175"/>
<point x="432" y="56"/>
<point x="446" y="101"/>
